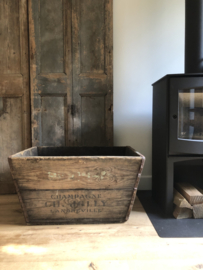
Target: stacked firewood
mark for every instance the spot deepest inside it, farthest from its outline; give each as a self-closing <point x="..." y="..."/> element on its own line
<point x="188" y="201"/>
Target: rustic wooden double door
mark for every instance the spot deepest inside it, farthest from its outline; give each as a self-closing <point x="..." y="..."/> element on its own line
<point x="56" y="76"/>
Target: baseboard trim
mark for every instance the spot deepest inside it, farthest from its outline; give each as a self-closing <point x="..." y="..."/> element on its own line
<point x="145" y="182"/>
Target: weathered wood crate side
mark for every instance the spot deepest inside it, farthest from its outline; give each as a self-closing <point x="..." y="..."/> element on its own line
<point x="76" y="189"/>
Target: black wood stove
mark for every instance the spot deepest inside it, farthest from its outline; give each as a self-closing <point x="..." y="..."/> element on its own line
<point x="177" y="136"/>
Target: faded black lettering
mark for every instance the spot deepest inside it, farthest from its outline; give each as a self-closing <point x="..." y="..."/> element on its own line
<point x="104" y="203"/>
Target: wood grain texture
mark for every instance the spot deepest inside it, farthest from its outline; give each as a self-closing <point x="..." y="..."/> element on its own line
<point x="53" y="120"/>
<point x="181" y="213"/>
<point x="10" y="126"/>
<point x="14" y="86"/>
<point x="69" y="70"/>
<point x="51" y="36"/>
<point x="192" y="195"/>
<point x="179" y="200"/>
<point x="76" y="206"/>
<point x="130" y="245"/>
<point x="92" y="72"/>
<point x="9" y="38"/>
<point x="92" y="120"/>
<point x="50" y="81"/>
<point x="71" y="60"/>
<point x="75" y="173"/>
<point x="198" y="210"/>
<point x="76" y="189"/>
<point x="92" y="31"/>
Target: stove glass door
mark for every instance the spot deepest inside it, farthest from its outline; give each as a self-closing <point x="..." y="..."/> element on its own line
<point x="190" y="114"/>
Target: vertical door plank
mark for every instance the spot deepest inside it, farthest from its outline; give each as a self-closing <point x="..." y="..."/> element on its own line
<point x="14" y="86"/>
<point x="13" y="46"/>
<point x="92" y="72"/>
<point x="3" y="37"/>
<point x="11" y="134"/>
<point x="49" y="71"/>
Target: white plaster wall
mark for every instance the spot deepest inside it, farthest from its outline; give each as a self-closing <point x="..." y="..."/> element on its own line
<point x="148" y="44"/>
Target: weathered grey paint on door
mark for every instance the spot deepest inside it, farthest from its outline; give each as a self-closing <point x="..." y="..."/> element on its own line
<point x="71" y="72"/>
<point x="14" y="86"/>
<point x="49" y="70"/>
<point x="92" y="37"/>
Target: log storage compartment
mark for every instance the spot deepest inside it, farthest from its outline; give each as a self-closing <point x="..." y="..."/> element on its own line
<point x="70" y="185"/>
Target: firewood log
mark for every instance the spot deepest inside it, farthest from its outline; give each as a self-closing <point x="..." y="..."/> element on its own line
<point x="198" y="211"/>
<point x="179" y="200"/>
<point x="198" y="208"/>
<point x="181" y="213"/>
<point x="192" y="195"/>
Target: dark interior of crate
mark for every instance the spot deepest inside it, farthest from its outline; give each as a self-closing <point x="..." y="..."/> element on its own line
<point x="77" y="151"/>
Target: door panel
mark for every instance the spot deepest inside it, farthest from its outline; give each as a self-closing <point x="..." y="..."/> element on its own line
<point x="92" y="35"/>
<point x="14" y="86"/>
<point x="92" y="119"/>
<point x="71" y="72"/>
<point x="51" y="34"/>
<point x="49" y="25"/>
<point x="53" y="120"/>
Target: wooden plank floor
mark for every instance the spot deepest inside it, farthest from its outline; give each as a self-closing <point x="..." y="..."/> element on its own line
<point x="128" y="246"/>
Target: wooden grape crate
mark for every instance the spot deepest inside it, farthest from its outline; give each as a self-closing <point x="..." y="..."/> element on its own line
<point x="71" y="185"/>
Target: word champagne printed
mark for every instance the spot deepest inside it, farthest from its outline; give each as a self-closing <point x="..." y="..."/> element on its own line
<point x="75" y="196"/>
